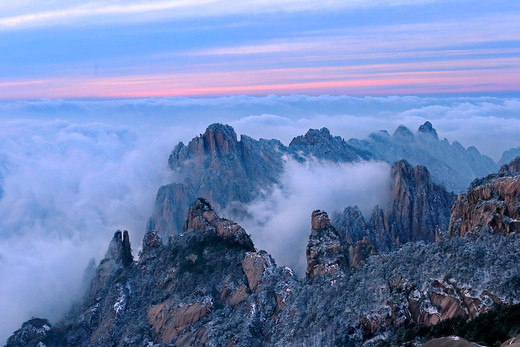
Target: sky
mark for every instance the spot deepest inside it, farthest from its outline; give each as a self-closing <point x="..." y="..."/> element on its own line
<point x="95" y="94"/>
<point x="156" y="48"/>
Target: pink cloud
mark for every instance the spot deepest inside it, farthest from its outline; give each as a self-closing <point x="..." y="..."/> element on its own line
<point x="485" y="75"/>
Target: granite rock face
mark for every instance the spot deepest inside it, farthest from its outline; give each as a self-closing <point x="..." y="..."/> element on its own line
<point x="218" y="167"/>
<point x="417" y="207"/>
<point x="491" y="203"/>
<point x="451" y="165"/>
<point x="325" y="252"/>
<point x="207" y="287"/>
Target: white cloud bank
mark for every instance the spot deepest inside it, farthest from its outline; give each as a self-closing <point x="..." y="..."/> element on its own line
<point x="281" y="223"/>
<point x="66" y="188"/>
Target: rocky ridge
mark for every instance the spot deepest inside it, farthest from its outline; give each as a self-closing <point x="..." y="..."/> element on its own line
<point x="210" y="286"/>
<point x="229" y="172"/>
<point x="451" y="165"/>
<point x="491" y="203"/>
<point x="417" y="208"/>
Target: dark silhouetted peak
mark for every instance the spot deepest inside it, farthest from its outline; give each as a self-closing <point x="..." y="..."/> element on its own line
<point x="427" y="128"/>
<point x="403" y="133"/>
<point x="513" y="168"/>
<point x="119" y="248"/>
<point x="325" y="252"/>
<point x="202" y="218"/>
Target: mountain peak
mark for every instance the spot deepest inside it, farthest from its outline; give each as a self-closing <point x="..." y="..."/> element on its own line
<point x="325" y="252"/>
<point x="427" y="128"/>
<point x="404" y="133"/>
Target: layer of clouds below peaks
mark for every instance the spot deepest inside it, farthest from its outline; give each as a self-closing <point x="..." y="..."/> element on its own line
<point x="66" y="186"/>
<point x="280" y="224"/>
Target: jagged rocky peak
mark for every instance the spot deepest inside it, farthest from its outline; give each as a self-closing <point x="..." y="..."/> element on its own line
<point x="491" y="203"/>
<point x="427" y="128"/>
<point x="322" y="145"/>
<point x="451" y="165"/>
<point x="202" y="218"/>
<point x="119" y="248"/>
<point x="511" y="169"/>
<point x="218" y="139"/>
<point x="325" y="252"/>
<point x="416" y="208"/>
<point x="220" y="169"/>
<point x="403" y="133"/>
<point x="312" y="136"/>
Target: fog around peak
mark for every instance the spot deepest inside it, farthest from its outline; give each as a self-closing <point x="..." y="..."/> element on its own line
<point x="74" y="171"/>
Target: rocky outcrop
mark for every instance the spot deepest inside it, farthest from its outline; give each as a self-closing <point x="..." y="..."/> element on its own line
<point x="168" y="321"/>
<point x="325" y="252"/>
<point x="207" y="287"/>
<point x="359" y="251"/>
<point x="202" y="218"/>
<point x="32" y="332"/>
<point x="221" y="169"/>
<point x="491" y="203"/>
<point x="451" y="165"/>
<point x="119" y="249"/>
<point x="510" y="169"/>
<point x="417" y="207"/>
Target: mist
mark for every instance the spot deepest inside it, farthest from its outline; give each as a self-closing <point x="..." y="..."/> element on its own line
<point x="66" y="188"/>
<point x="281" y="224"/>
<point x="74" y="171"/>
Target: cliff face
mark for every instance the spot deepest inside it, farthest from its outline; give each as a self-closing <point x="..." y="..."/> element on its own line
<point x="218" y="167"/>
<point x="417" y="207"/>
<point x="210" y="286"/>
<point x="491" y="203"/>
<point x="325" y="253"/>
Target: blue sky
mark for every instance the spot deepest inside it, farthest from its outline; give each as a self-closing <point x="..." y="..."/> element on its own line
<point x="114" y="49"/>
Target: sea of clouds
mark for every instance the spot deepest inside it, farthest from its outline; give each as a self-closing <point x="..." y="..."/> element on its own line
<point x="73" y="172"/>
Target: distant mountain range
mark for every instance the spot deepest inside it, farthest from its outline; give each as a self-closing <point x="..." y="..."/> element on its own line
<point x="230" y="172"/>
